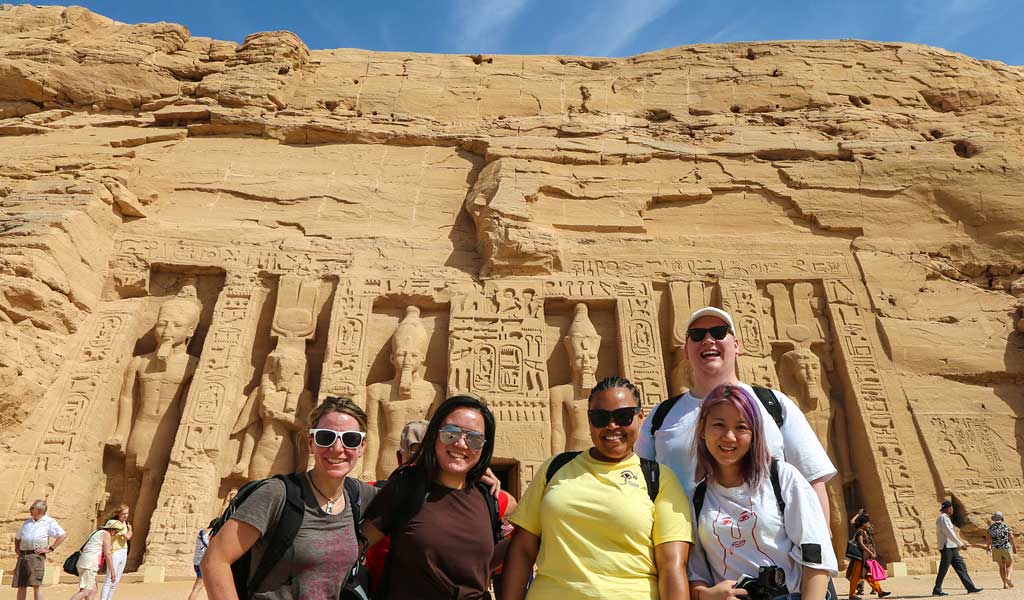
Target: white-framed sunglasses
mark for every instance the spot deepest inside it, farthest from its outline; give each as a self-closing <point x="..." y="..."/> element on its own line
<point x="325" y="438"/>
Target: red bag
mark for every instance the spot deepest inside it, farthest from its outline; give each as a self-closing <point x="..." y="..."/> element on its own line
<point x="876" y="572"/>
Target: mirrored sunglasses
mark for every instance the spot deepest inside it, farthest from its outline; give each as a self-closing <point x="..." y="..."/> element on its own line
<point x="449" y="434"/>
<point x="325" y="438"/>
<point x="622" y="416"/>
<point x="718" y="332"/>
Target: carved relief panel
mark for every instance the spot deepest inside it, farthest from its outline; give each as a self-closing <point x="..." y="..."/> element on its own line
<point x="496" y="343"/>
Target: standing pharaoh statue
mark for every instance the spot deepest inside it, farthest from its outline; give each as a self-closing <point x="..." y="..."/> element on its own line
<point x="801" y="379"/>
<point x="407" y="397"/>
<point x="150" y="407"/>
<point x="274" y="413"/>
<point x="569" y="427"/>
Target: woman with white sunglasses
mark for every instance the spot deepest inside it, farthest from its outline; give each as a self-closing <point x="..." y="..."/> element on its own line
<point x="326" y="546"/>
<point x="439" y="515"/>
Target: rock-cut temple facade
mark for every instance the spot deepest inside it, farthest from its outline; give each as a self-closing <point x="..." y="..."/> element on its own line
<point x="199" y="239"/>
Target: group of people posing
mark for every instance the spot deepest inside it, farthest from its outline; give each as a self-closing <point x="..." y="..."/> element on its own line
<point x="617" y="520"/>
<point x="715" y="494"/>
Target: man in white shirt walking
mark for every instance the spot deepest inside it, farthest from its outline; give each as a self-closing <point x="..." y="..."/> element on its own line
<point x="950" y="545"/>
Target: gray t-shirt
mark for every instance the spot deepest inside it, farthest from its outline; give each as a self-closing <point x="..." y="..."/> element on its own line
<point x="325" y="548"/>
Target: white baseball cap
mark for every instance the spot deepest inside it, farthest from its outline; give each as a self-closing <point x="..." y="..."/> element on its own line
<point x="711" y="311"/>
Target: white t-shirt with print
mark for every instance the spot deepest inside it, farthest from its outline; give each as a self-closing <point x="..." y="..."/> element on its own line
<point x="796" y="443"/>
<point x="740" y="529"/>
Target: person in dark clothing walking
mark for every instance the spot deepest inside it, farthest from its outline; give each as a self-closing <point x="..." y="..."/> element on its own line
<point x="950" y="545"/>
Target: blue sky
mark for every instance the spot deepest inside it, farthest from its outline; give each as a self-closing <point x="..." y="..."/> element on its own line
<point x="980" y="28"/>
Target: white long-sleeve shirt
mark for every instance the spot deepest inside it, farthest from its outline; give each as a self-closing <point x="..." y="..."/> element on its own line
<point x="946" y="535"/>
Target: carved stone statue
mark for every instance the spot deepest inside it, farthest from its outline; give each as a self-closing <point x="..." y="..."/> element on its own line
<point x="273" y="413"/>
<point x="150" y="407"/>
<point x="801" y="379"/>
<point x="407" y="397"/>
<point x="569" y="427"/>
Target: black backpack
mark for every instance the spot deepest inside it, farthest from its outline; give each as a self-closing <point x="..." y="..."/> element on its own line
<point x="280" y="537"/>
<point x="765" y="395"/>
<point x="648" y="467"/>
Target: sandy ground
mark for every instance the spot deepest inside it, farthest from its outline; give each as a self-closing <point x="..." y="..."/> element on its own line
<point x="914" y="586"/>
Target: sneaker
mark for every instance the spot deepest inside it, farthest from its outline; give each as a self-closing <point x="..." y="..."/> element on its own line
<point x="975" y="590"/>
<point x="856" y="598"/>
<point x="1009" y="583"/>
<point x="884" y="594"/>
<point x="939" y="593"/>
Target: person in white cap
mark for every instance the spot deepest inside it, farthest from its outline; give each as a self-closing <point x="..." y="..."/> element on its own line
<point x="711" y="349"/>
<point x="1000" y="544"/>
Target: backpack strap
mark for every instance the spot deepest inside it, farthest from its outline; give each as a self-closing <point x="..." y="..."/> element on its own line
<point x="652" y="477"/>
<point x="771" y="404"/>
<point x="356" y="506"/>
<point x="773" y="474"/>
<point x="698" y="503"/>
<point x="492" y="510"/>
<point x="282" y="534"/>
<point x="662" y="410"/>
<point x="559" y="461"/>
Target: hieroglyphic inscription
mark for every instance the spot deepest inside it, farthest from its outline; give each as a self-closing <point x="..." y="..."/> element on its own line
<point x="900" y="497"/>
<point x="966" y="449"/>
<point x="496" y="352"/>
<point x="344" y="362"/>
<point x="741" y="299"/>
<point x="646" y="267"/>
<point x="640" y="353"/>
<point x="279" y="260"/>
<point x="69" y="446"/>
<point x="185" y="502"/>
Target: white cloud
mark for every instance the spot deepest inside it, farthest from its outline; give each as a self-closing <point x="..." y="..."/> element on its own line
<point x="611" y="27"/>
<point x="481" y="25"/>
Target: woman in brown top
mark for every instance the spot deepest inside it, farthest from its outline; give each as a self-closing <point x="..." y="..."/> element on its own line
<point x="438" y="517"/>
<point x="857" y="568"/>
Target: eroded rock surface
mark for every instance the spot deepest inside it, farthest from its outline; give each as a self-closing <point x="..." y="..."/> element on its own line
<point x="857" y="202"/>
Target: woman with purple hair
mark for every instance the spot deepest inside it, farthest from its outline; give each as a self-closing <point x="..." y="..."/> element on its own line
<point x="751" y="511"/>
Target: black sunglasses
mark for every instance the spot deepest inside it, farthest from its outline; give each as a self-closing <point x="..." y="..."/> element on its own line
<point x="325" y="438"/>
<point x="697" y="333"/>
<point x="600" y="418"/>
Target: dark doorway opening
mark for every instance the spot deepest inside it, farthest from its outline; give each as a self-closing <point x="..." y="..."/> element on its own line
<point x="507" y="471"/>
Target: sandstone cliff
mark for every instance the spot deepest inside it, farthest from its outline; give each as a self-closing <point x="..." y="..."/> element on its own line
<point x="897" y="164"/>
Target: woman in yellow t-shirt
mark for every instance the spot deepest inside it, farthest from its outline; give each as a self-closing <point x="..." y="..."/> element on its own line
<point x="593" y="529"/>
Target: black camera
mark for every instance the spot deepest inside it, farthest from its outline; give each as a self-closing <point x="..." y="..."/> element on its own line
<point x="769" y="583"/>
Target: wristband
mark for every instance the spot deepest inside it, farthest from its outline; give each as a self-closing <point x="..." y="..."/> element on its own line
<point x="51" y="548"/>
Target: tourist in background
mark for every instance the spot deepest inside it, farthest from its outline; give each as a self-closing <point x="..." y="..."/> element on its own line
<point x="31" y="544"/>
<point x="1000" y="544"/>
<point x="950" y="546"/>
<point x="202" y="543"/>
<point x="118" y="551"/>
<point x="437" y="511"/>
<point x="752" y="511"/>
<point x="95" y="555"/>
<point x="336" y="442"/>
<point x="860" y="569"/>
<point x="593" y="529"/>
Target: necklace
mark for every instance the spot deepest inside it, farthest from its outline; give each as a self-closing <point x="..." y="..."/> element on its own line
<point x="329" y="509"/>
